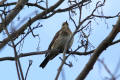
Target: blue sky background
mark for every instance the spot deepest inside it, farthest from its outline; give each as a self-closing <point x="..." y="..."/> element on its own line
<point x="50" y="27"/>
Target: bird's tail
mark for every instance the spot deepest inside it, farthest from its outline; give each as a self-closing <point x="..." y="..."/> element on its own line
<point x="44" y="63"/>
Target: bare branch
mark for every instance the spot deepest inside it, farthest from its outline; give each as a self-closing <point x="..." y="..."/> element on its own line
<point x="30" y="64"/>
<point x="103" y="45"/>
<point x="28" y="4"/>
<point x="17" y="62"/>
<point x="66" y="9"/>
<point x="115" y="42"/>
<point x="42" y="52"/>
<point x="2" y="2"/>
<point x="13" y="13"/>
<point x="107" y="17"/>
<point x="107" y="69"/>
<point x="21" y="30"/>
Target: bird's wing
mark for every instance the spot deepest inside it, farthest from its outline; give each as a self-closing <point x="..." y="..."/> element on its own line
<point x="55" y="37"/>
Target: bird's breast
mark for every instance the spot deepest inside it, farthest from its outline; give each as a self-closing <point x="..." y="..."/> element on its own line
<point x="61" y="41"/>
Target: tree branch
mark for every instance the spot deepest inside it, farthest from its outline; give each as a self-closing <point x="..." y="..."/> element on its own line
<point x="28" y="4"/>
<point x="66" y="9"/>
<point x="98" y="51"/>
<point x="13" y="14"/>
<point x="42" y="52"/>
<point x="21" y="30"/>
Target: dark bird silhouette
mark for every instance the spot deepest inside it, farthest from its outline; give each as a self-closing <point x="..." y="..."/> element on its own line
<point x="58" y="43"/>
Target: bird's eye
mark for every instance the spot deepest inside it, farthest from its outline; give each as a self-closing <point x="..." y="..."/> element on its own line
<point x="63" y="24"/>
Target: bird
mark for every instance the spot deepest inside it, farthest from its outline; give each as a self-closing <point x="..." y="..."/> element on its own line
<point x="58" y="43"/>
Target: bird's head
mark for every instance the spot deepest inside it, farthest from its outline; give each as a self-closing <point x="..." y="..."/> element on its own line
<point x="65" y="25"/>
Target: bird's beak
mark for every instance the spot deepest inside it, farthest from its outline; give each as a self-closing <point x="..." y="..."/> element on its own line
<point x="66" y="21"/>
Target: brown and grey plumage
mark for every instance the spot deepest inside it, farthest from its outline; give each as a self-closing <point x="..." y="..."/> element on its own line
<point x="58" y="43"/>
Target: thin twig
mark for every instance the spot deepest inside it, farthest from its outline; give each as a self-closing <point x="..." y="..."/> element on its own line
<point x="42" y="52"/>
<point x="98" y="51"/>
<point x="106" y="68"/>
<point x="18" y="65"/>
<point x="30" y="64"/>
<point x="28" y="4"/>
<point x="13" y="14"/>
<point x="28" y="23"/>
<point x="16" y="62"/>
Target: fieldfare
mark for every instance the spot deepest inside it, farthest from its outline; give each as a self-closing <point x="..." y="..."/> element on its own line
<point x="58" y="43"/>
